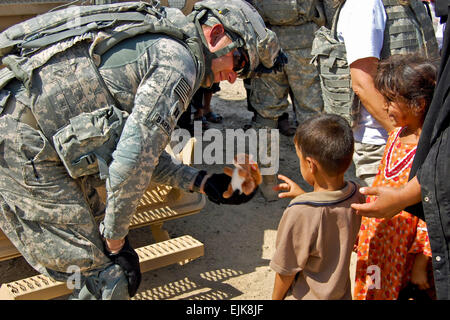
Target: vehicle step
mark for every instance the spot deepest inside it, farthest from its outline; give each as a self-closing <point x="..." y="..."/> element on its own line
<point x="159" y="204"/>
<point x="154" y="256"/>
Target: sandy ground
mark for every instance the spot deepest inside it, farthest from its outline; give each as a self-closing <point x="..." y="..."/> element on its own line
<point x="239" y="240"/>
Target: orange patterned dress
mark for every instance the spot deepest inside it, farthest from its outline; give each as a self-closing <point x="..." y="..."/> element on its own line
<point x="386" y="248"/>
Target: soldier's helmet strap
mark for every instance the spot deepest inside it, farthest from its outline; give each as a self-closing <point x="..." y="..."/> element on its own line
<point x="209" y="56"/>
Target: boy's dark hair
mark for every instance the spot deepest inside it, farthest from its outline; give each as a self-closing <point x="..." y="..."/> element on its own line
<point x="328" y="139"/>
<point x="409" y="78"/>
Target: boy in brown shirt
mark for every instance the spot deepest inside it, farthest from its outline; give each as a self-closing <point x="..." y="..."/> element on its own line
<point x="318" y="229"/>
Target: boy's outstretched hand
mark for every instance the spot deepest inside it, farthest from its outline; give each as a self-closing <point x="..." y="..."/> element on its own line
<point x="290" y="186"/>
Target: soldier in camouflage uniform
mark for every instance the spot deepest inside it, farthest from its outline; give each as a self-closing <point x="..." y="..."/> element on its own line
<point x="294" y="22"/>
<point x="47" y="213"/>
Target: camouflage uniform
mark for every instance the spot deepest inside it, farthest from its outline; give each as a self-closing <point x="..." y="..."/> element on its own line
<point x="156" y="60"/>
<point x="329" y="8"/>
<point x="38" y="194"/>
<point x="269" y="94"/>
<point x="294" y="22"/>
<point x="47" y="213"/>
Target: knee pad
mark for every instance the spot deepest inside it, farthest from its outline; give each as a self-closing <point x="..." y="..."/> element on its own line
<point x="109" y="284"/>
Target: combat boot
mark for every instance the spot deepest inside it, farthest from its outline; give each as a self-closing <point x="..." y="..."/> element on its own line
<point x="266" y="187"/>
<point x="284" y="126"/>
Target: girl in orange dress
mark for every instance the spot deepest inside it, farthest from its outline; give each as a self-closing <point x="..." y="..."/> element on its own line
<point x="391" y="253"/>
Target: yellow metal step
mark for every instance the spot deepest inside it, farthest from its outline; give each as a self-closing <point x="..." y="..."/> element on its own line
<point x="154" y="256"/>
<point x="159" y="204"/>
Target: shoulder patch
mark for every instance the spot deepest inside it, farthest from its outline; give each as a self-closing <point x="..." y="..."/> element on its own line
<point x="183" y="90"/>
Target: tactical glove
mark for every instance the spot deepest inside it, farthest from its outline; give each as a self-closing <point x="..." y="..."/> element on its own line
<point x="128" y="259"/>
<point x="280" y="61"/>
<point x="217" y="184"/>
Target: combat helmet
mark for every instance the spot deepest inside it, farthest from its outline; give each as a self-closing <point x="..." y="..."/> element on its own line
<point x="246" y="28"/>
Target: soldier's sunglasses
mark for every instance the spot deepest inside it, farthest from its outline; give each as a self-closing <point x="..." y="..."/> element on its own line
<point x="240" y="61"/>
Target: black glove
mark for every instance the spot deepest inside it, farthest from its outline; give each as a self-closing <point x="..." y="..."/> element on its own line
<point x="128" y="259"/>
<point x="217" y="184"/>
<point x="278" y="65"/>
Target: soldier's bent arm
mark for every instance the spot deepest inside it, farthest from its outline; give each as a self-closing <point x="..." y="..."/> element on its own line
<point x="173" y="174"/>
<point x="161" y="79"/>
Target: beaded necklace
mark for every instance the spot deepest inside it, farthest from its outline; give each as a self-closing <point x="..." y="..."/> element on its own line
<point x="401" y="164"/>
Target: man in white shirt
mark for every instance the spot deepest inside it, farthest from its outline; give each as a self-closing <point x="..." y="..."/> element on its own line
<point x="347" y="58"/>
<point x="361" y="27"/>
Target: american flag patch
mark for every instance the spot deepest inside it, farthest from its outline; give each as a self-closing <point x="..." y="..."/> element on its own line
<point x="183" y="90"/>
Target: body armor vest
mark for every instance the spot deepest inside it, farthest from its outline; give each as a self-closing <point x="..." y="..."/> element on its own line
<point x="288" y="13"/>
<point x="408" y="29"/>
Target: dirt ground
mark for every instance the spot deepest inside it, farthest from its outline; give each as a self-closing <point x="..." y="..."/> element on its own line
<point x="239" y="240"/>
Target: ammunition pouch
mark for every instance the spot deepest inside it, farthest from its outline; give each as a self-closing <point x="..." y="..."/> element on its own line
<point x="291" y="13"/>
<point x="86" y="144"/>
<point x="330" y="57"/>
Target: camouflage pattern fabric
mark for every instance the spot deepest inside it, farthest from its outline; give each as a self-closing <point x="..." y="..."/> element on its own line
<point x="286" y="13"/>
<point x="37" y="194"/>
<point x="260" y="43"/>
<point x="44" y="212"/>
<point x="154" y="112"/>
<point x="329" y="8"/>
<point x="107" y="284"/>
<point x="334" y="71"/>
<point x="48" y="215"/>
<point x="266" y="125"/>
<point x="59" y="93"/>
<point x="269" y="94"/>
<point x="367" y="159"/>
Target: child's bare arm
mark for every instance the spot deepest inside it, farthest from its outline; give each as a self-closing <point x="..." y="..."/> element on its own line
<point x="419" y="271"/>
<point x="290" y="186"/>
<point x="281" y="286"/>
